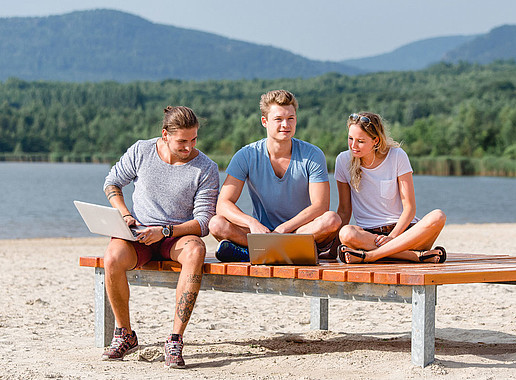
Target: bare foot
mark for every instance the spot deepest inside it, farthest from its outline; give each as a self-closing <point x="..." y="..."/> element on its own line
<point x="436" y="255"/>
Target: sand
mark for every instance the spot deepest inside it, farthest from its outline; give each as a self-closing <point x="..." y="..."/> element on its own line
<point x="46" y="324"/>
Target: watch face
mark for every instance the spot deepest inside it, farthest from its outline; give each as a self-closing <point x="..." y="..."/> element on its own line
<point x="166" y="231"/>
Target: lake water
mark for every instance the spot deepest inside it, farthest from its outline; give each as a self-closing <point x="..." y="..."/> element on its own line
<point x="37" y="198"/>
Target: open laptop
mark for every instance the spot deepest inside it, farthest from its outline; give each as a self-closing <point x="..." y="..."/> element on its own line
<point x="105" y="220"/>
<point x="282" y="249"/>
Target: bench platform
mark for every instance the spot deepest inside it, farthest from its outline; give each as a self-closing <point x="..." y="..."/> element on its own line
<point x="386" y="281"/>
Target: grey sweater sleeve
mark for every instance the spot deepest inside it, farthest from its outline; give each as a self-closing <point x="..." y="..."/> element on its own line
<point x="125" y="170"/>
<point x="206" y="198"/>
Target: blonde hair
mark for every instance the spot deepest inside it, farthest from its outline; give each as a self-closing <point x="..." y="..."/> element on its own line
<point x="179" y="117"/>
<point x="279" y="97"/>
<point x="376" y="130"/>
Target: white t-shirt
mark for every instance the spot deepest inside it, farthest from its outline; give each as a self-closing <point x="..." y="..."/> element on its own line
<point x="378" y="202"/>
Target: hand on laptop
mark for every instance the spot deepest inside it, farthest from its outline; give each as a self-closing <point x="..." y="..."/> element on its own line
<point x="150" y="235"/>
<point x="257" y="228"/>
<point x="129" y="219"/>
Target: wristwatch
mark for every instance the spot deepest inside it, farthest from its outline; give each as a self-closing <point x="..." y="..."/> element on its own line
<point x="167" y="231"/>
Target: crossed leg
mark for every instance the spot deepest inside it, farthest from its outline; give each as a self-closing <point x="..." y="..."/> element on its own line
<point x="420" y="237"/>
<point x="324" y="228"/>
<point x="221" y="229"/>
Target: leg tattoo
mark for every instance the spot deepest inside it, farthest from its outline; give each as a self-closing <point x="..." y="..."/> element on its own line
<point x="185" y="306"/>
<point x="194" y="278"/>
<point x="195" y="241"/>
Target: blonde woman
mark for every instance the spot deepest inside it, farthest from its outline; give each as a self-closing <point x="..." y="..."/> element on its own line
<point x="374" y="180"/>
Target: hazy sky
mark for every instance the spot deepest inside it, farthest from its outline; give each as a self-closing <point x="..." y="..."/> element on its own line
<point x="318" y="29"/>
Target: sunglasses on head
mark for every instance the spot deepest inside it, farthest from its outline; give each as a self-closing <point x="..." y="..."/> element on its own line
<point x="363" y="119"/>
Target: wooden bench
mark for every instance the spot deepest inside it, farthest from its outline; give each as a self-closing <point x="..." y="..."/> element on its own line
<point x="388" y="282"/>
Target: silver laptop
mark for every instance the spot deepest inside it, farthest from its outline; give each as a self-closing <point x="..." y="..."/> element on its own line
<point x="105" y="220"/>
<point x="282" y="249"/>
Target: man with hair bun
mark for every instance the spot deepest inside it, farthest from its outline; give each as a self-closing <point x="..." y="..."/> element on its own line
<point x="175" y="192"/>
<point x="287" y="180"/>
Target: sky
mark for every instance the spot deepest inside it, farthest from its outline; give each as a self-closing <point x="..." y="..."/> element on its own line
<point x="318" y="29"/>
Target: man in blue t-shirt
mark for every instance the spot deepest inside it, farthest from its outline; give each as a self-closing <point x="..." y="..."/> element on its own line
<point x="287" y="180"/>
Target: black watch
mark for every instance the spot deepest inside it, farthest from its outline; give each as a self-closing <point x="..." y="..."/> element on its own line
<point x="167" y="231"/>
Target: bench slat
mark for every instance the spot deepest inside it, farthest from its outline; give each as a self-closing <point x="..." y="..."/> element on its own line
<point x="461" y="268"/>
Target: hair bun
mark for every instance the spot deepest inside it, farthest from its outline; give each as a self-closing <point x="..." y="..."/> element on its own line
<point x="168" y="109"/>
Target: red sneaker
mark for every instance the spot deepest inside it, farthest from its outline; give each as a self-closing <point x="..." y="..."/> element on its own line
<point x="174" y="352"/>
<point x="122" y="344"/>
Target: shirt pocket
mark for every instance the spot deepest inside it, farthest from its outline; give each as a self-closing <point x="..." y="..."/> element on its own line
<point x="388" y="188"/>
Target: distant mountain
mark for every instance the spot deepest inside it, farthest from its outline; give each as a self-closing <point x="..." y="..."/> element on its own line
<point x="102" y="45"/>
<point x="414" y="56"/>
<point x="499" y="43"/>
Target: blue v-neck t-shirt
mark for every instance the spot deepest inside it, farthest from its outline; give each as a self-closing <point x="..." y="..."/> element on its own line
<point x="276" y="200"/>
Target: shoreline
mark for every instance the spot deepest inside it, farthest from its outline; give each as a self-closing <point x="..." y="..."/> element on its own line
<point x="440" y="166"/>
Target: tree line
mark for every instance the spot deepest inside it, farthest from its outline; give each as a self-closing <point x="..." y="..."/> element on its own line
<point x="456" y="111"/>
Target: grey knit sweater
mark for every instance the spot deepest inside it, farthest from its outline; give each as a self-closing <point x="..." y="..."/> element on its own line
<point x="164" y="193"/>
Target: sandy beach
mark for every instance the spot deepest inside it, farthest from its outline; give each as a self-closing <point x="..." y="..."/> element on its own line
<point x="47" y="324"/>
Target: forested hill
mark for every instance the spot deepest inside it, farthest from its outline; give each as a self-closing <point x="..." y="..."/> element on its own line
<point x="100" y="45"/>
<point x="414" y="56"/>
<point x="498" y="44"/>
<point x="447" y="110"/>
<point x="111" y="45"/>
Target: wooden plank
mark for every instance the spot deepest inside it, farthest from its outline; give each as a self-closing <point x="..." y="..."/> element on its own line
<point x="260" y="271"/>
<point x="395" y="274"/>
<point x="386" y="277"/>
<point x="445" y="273"/>
<point x="89" y="261"/>
<point x="168" y="266"/>
<point x="474" y="268"/>
<point x="452" y="256"/>
<point x="340" y="275"/>
<point x="215" y="268"/>
<point x="381" y="272"/>
<point x="464" y="267"/>
<point x="361" y="275"/>
<point x="309" y="273"/>
<point x="285" y="271"/>
<point x="499" y="274"/>
<point x="241" y="269"/>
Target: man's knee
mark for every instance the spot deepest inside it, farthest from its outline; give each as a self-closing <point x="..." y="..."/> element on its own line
<point x="332" y="221"/>
<point x="218" y="225"/>
<point x="118" y="257"/>
<point x="194" y="252"/>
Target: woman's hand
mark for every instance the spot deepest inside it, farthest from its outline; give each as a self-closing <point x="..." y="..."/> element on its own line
<point x="381" y="240"/>
<point x="150" y="235"/>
